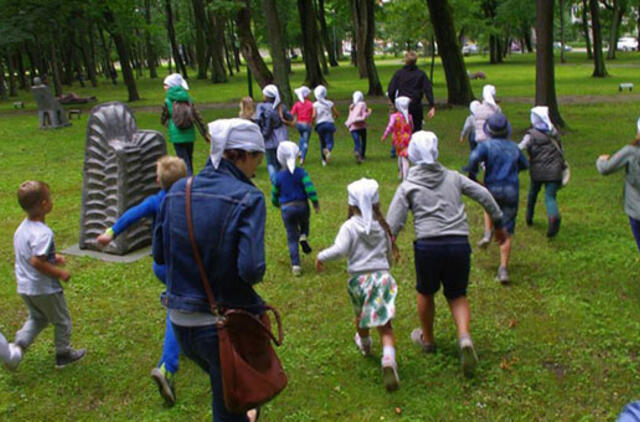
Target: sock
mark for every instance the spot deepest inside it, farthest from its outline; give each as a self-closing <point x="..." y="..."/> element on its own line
<point x="389" y="351"/>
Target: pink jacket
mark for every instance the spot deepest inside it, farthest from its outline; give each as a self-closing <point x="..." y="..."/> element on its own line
<point x="358" y="114"/>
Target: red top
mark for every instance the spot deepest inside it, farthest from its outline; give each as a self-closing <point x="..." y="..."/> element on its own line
<point x="304" y="111"/>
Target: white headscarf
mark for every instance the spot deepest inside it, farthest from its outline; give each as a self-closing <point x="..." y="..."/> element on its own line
<point x="363" y="194"/>
<point x="271" y="91"/>
<point x="302" y="93"/>
<point x="638" y="125"/>
<point x="287" y="154"/>
<point x="402" y="105"/>
<point x="176" y="79"/>
<point x="234" y="133"/>
<point x="473" y="107"/>
<point x="320" y="92"/>
<point x="488" y="94"/>
<point x="357" y="97"/>
<point x="540" y="118"/>
<point x="423" y="148"/>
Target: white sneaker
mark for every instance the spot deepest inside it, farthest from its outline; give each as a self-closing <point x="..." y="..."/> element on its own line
<point x="390" y="373"/>
<point x="468" y="357"/>
<point x="365" y="348"/>
<point x="327" y="154"/>
<point x="324" y="163"/>
<point x="296" y="270"/>
<point x="15" y="357"/>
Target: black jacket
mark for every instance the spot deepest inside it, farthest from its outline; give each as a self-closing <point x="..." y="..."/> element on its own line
<point x="546" y="162"/>
<point x="411" y="82"/>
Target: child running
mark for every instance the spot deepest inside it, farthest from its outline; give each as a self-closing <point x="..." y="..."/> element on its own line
<point x="302" y="111"/>
<point x="324" y="114"/>
<point x="291" y="192"/>
<point x="366" y="240"/>
<point x="272" y="116"/>
<point x="357" y="124"/>
<point x="247" y="109"/>
<point x="168" y="171"/>
<point x="38" y="272"/>
<point x="401" y="125"/>
<point x="433" y="193"/>
<point x="468" y="129"/>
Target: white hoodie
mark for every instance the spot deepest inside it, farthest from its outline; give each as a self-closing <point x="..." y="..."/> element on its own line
<point x="365" y="252"/>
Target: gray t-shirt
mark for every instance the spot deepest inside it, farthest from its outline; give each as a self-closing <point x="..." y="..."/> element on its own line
<point x="34" y="238"/>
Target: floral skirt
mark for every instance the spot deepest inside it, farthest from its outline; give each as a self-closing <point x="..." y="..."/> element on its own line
<point x="373" y="296"/>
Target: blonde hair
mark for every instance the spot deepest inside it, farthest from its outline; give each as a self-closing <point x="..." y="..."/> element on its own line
<point x="31" y="193"/>
<point x="246" y="108"/>
<point x="410" y="57"/>
<point x="169" y="170"/>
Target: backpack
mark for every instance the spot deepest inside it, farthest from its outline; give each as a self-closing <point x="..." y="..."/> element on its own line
<point x="182" y="114"/>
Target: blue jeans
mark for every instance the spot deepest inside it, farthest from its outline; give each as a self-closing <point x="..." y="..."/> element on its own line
<point x="296" y="222"/>
<point x="184" y="150"/>
<point x="550" y="192"/>
<point x="200" y="344"/>
<point x="170" y="349"/>
<point x="305" y="133"/>
<point x="325" y="132"/>
<point x="359" y="141"/>
<point x="635" y="228"/>
<point x="272" y="163"/>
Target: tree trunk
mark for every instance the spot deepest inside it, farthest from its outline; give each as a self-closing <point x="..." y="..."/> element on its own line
<point x="152" y="58"/>
<point x="585" y="28"/>
<point x="227" y="55"/>
<point x="360" y="36"/>
<point x="57" y="85"/>
<point x="616" y="20"/>
<point x="22" y="77"/>
<point x="201" y="29"/>
<point x="458" y="85"/>
<point x="180" y="67"/>
<point x="325" y="34"/>
<point x="248" y="46"/>
<point x="375" y="88"/>
<point x="123" y="55"/>
<point x="561" y="10"/>
<point x="3" y="86"/>
<point x="599" y="70"/>
<point x="310" y="38"/>
<point x="13" y="86"/>
<point x="217" y="47"/>
<point x="280" y="72"/>
<point x="88" y="59"/>
<point x="527" y="39"/>
<point x="545" y="78"/>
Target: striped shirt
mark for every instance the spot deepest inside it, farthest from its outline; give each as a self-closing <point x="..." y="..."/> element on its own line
<point x="293" y="187"/>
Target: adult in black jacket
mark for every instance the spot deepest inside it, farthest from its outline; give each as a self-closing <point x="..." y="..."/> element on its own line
<point x="413" y="83"/>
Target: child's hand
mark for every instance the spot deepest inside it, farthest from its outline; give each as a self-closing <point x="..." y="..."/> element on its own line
<point x="104" y="239"/>
<point x="396" y="254"/>
<point x="432" y="112"/>
<point x="319" y="265"/>
<point x="65" y="276"/>
<point x="461" y="140"/>
<point x="317" y="208"/>
<point x="604" y="157"/>
<point x="383" y="138"/>
<point x="501" y="235"/>
<point x="60" y="260"/>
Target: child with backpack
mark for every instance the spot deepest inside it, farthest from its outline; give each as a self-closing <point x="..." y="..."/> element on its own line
<point x="401" y="126"/>
<point x="292" y="192"/>
<point x="273" y="117"/>
<point x="365" y="239"/>
<point x="324" y="114"/>
<point x="357" y="124"/>
<point x="180" y="114"/>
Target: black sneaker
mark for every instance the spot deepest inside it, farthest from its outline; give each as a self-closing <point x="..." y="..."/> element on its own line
<point x="306" y="248"/>
<point x="73" y="355"/>
<point x="554" y="226"/>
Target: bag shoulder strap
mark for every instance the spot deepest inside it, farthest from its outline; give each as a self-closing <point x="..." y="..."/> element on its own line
<point x="194" y="246"/>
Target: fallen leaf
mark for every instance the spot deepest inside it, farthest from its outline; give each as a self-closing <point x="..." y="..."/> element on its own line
<point x="513" y="323"/>
<point x="398" y="411"/>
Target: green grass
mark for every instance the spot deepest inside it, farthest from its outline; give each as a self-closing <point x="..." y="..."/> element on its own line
<point x="561" y="343"/>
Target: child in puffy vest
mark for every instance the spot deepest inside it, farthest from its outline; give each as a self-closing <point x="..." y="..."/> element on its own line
<point x="273" y="117"/>
<point x="401" y="127"/>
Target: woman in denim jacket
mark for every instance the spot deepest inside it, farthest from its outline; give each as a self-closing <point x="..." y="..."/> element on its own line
<point x="229" y="220"/>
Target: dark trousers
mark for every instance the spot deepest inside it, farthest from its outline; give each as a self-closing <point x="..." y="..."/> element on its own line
<point x="325" y="133"/>
<point x="184" y="150"/>
<point x="635" y="228"/>
<point x="359" y="141"/>
<point x="416" y="112"/>
<point x="296" y="222"/>
<point x="200" y="344"/>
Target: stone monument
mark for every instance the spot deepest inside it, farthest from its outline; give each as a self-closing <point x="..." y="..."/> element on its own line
<point x="50" y="112"/>
<point x="119" y="172"/>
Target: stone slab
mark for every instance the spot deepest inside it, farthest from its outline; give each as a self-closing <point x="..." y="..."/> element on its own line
<point x="126" y="259"/>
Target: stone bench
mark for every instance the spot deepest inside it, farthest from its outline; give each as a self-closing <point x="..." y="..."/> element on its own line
<point x="74" y="112"/>
<point x="625" y="85"/>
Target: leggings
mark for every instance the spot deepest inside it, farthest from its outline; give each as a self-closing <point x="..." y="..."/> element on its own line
<point x="635" y="228"/>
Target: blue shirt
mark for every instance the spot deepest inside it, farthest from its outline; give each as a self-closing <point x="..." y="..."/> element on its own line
<point x="503" y="160"/>
<point x="293" y="187"/>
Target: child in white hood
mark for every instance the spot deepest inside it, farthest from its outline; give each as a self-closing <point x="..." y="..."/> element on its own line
<point x="400" y="127"/>
<point x="357" y="124"/>
<point x="366" y="240"/>
<point x="291" y="191"/>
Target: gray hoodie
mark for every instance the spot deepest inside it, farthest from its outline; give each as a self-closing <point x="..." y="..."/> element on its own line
<point x="365" y="252"/>
<point x="629" y="159"/>
<point x="434" y="194"/>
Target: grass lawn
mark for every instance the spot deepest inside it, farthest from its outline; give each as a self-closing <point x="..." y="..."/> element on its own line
<point x="561" y="343"/>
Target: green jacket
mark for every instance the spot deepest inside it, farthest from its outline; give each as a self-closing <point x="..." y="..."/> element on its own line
<point x="176" y="135"/>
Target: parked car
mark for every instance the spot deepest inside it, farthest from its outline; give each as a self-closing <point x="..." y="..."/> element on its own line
<point x="558" y="45"/>
<point x="469" y="49"/>
<point x="627" y="44"/>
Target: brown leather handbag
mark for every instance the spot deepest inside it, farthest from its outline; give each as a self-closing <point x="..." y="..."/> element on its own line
<point x="251" y="371"/>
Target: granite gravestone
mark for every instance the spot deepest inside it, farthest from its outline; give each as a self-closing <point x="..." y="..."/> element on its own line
<point x="119" y="172"/>
<point x="50" y="112"/>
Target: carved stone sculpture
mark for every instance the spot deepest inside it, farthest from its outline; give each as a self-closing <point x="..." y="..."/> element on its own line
<point x="50" y="112"/>
<point x="119" y="172"/>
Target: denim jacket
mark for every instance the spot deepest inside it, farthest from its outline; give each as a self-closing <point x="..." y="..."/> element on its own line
<point x="229" y="219"/>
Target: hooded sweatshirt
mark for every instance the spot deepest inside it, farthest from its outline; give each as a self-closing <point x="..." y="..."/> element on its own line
<point x="628" y="158"/>
<point x="434" y="194"/>
<point x="365" y="252"/>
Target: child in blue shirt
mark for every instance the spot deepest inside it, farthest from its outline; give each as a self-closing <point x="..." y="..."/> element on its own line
<point x="168" y="170"/>
<point x="291" y="191"/>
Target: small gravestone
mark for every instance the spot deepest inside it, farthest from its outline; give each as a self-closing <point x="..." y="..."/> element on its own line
<point x="625" y="85"/>
<point x="50" y="112"/>
<point x="119" y="172"/>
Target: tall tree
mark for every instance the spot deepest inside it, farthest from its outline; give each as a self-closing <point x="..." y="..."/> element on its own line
<point x="325" y="34"/>
<point x="545" y="77"/>
<point x="177" y="57"/>
<point x="364" y="19"/>
<point x="599" y="70"/>
<point x="216" y="46"/>
<point x="585" y="29"/>
<point x="248" y="46"/>
<point x="274" y="31"/>
<point x="358" y="14"/>
<point x="310" y="37"/>
<point x="458" y="85"/>
<point x="152" y="58"/>
<point x="201" y="30"/>
<point x="123" y="53"/>
<point x="618" y="9"/>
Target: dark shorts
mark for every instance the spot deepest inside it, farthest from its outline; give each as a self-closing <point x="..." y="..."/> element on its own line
<point x="443" y="260"/>
<point x="509" y="212"/>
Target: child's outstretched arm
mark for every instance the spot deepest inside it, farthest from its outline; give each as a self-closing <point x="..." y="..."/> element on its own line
<point x="476" y="156"/>
<point x="389" y="128"/>
<point x="340" y="248"/>
<point x="41" y="264"/>
<point x="147" y="208"/>
<point x="275" y="194"/>
<point x="398" y="210"/>
<point x="310" y="190"/>
<point x="607" y="165"/>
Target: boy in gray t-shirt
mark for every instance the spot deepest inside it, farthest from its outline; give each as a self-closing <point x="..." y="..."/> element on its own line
<point x="38" y="270"/>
